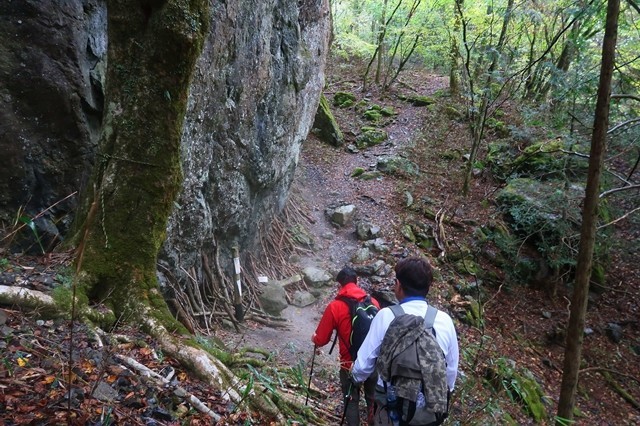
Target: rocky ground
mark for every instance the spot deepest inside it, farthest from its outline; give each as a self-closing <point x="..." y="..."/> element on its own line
<point x="522" y="326"/>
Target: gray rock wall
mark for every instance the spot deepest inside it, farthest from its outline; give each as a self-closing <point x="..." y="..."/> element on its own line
<point x="50" y="104"/>
<point x="252" y="103"/>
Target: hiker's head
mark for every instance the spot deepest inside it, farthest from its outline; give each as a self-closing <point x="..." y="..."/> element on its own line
<point x="347" y="275"/>
<point x="414" y="276"/>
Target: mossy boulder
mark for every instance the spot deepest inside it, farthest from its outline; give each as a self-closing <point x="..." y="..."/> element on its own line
<point x="548" y="159"/>
<point x="473" y="313"/>
<point x="396" y="165"/>
<point x="388" y="111"/>
<point x="372" y="115"/>
<point x="325" y="125"/>
<point x="546" y="214"/>
<point x="370" y="137"/>
<point x="549" y="206"/>
<point x="344" y="99"/>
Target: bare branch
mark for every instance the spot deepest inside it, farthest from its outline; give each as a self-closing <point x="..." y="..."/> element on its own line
<point x="623" y="124"/>
<point x="634" y="5"/>
<point x="622" y="188"/>
<point x="627" y="214"/>
<point x="622" y="96"/>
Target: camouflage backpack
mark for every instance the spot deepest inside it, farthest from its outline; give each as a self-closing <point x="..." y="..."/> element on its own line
<point x="412" y="361"/>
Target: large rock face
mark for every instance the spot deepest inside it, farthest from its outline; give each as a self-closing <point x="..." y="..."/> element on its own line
<point x="50" y="104"/>
<point x="252" y="103"/>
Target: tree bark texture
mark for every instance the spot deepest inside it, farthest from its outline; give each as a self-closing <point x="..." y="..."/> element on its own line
<point x="575" y="328"/>
<point x="152" y="51"/>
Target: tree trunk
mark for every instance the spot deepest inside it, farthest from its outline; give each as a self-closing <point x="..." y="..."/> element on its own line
<point x="454" y="54"/>
<point x="381" y="33"/>
<point x="575" y="328"/>
<point x="152" y="51"/>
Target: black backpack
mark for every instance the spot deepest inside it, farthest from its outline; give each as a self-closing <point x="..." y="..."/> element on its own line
<point x="361" y="313"/>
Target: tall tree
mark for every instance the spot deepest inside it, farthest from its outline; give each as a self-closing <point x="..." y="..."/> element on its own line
<point x="454" y="54"/>
<point x="152" y="52"/>
<point x="575" y="329"/>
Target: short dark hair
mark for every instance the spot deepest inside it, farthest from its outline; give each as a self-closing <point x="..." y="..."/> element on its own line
<point x="415" y="276"/>
<point x="347" y="275"/>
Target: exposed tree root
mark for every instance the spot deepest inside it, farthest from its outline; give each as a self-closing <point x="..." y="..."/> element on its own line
<point x="199" y="405"/>
<point x="24" y="297"/>
<point x="209" y="368"/>
<point x="275" y="404"/>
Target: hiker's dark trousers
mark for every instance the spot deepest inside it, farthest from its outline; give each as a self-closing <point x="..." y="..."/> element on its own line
<point x="352" y="417"/>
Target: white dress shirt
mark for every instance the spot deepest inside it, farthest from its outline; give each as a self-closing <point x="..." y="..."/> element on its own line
<point x="446" y="337"/>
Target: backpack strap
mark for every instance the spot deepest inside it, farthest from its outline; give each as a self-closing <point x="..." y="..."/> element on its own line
<point x="350" y="302"/>
<point x="397" y="310"/>
<point x="430" y="316"/>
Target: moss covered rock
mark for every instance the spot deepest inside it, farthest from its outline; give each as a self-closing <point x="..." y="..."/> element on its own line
<point x="372" y="115"/>
<point x="370" y="137"/>
<point x="545" y="214"/>
<point x="547" y="159"/>
<point x="344" y="99"/>
<point x="396" y="165"/>
<point x="325" y="125"/>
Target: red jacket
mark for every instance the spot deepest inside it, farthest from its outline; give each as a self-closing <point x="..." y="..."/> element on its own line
<point x="337" y="317"/>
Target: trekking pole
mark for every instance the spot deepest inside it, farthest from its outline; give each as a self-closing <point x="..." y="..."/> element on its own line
<point x="313" y="360"/>
<point x="347" y="397"/>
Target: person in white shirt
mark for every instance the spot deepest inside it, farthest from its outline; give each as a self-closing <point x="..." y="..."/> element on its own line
<point x="413" y="280"/>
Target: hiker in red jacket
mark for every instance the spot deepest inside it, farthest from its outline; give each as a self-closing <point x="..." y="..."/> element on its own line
<point x="337" y="316"/>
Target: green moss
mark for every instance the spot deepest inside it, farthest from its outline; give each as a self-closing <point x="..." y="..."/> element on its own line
<point x="396" y="165"/>
<point x="467" y="266"/>
<point x="63" y="298"/>
<point x="521" y="386"/>
<point x="370" y="175"/>
<point x="473" y="314"/>
<point x="372" y="115"/>
<point x="357" y="172"/>
<point x="388" y="111"/>
<point x="301" y="236"/>
<point x="370" y="138"/>
<point x="344" y="99"/>
<point x="426" y="243"/>
<point x="326" y="124"/>
<point x="499" y="127"/>
<point x="453" y="113"/>
<point x="407" y="233"/>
